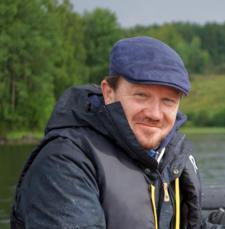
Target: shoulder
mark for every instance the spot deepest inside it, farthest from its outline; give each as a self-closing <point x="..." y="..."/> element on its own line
<point x="57" y="182"/>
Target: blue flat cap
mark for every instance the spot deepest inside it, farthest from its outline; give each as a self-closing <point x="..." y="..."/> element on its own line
<point x="148" y="61"/>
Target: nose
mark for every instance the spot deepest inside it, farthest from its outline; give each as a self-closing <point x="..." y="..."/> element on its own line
<point x="153" y="111"/>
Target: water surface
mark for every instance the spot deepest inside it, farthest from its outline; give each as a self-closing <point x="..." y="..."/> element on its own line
<point x="12" y="159"/>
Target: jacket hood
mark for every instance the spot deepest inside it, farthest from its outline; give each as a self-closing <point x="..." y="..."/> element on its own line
<point x="84" y="106"/>
<point x="75" y="109"/>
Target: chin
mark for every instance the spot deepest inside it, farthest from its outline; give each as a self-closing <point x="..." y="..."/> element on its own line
<point x="150" y="142"/>
<point x="149" y="145"/>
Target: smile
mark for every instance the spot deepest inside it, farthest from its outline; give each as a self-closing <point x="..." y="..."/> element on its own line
<point x="147" y="125"/>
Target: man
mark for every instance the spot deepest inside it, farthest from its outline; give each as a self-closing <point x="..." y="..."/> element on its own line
<point x="113" y="157"/>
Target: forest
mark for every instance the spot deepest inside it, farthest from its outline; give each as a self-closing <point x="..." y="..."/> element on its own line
<point x="46" y="47"/>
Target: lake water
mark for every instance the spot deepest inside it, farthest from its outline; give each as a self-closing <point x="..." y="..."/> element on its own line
<point x="210" y="158"/>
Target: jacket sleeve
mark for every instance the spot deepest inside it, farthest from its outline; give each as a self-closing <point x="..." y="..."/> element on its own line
<point x="191" y="189"/>
<point x="60" y="190"/>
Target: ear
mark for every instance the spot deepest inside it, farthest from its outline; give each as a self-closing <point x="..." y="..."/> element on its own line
<point x="108" y="92"/>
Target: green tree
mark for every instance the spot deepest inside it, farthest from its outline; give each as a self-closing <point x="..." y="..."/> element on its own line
<point x="195" y="58"/>
<point x="212" y="36"/>
<point x="168" y="34"/>
<point x="27" y="62"/>
<point x="71" y="67"/>
<point x="101" y="32"/>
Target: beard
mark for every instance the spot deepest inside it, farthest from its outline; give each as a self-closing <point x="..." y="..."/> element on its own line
<point x="149" y="137"/>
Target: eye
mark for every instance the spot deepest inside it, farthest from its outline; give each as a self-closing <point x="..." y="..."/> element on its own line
<point x="169" y="101"/>
<point x="140" y="95"/>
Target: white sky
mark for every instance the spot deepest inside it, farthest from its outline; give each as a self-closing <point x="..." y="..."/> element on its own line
<point x="147" y="12"/>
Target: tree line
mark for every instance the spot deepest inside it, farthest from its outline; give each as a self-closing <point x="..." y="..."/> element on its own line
<point x="46" y="46"/>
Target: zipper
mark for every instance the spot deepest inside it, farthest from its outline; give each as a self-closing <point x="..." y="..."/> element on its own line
<point x="166" y="192"/>
<point x="166" y="196"/>
<point x="169" y="195"/>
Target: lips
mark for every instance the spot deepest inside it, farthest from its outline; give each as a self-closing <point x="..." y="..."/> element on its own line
<point x="152" y="125"/>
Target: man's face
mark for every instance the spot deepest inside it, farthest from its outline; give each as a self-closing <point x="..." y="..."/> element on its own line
<point x="150" y="109"/>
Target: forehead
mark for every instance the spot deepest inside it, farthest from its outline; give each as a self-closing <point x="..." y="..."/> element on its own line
<point x="125" y="86"/>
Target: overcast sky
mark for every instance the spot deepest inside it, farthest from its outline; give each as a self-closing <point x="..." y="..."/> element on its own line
<point x="146" y="12"/>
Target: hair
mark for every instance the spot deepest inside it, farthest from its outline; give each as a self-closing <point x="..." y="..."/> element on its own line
<point x="113" y="81"/>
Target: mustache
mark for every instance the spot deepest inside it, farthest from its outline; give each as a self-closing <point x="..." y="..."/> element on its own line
<point x="148" y="121"/>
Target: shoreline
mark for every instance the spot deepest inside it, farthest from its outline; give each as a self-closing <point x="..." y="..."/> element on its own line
<point x="21" y="138"/>
<point x="33" y="137"/>
<point x="203" y="130"/>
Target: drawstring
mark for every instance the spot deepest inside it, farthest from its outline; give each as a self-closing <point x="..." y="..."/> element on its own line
<point x="152" y="191"/>
<point x="177" y="199"/>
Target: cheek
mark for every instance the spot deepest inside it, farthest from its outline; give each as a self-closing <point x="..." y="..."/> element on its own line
<point x="171" y="117"/>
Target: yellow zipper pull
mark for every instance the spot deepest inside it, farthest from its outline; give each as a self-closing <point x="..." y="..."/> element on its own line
<point x="166" y="193"/>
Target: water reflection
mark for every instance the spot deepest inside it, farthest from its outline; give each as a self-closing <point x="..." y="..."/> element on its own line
<point x="210" y="158"/>
<point x="12" y="159"/>
<point x="210" y="155"/>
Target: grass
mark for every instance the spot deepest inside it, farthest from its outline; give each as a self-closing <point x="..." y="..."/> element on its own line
<point x="203" y="130"/>
<point x="207" y="95"/>
<point x="17" y="135"/>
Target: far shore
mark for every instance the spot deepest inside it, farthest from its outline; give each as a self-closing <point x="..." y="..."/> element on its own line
<point x="21" y="138"/>
<point x="33" y="137"/>
<point x="203" y="130"/>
